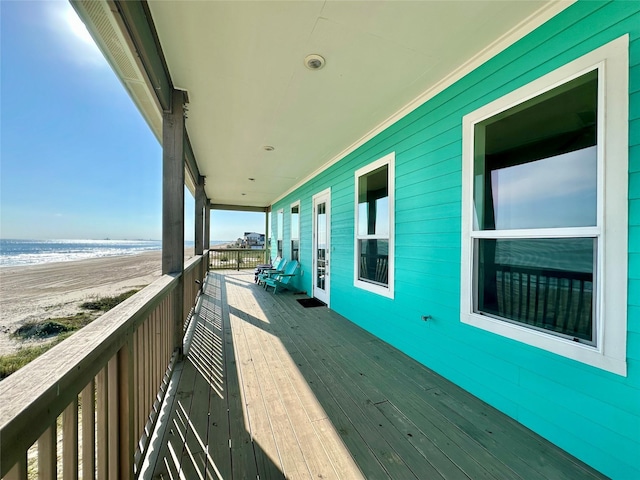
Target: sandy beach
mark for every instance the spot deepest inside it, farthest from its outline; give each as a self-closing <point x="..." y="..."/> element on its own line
<point x="38" y="292"/>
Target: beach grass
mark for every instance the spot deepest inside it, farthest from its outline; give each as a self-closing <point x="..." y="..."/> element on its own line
<point x="105" y="304"/>
<point x="55" y="329"/>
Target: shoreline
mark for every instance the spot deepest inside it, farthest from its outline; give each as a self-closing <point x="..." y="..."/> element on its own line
<point x="50" y="290"/>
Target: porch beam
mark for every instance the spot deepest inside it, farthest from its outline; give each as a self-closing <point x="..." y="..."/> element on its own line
<point x="142" y="32"/>
<point x="237" y="208"/>
<point x="190" y="158"/>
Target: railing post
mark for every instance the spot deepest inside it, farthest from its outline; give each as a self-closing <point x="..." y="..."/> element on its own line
<point x="238" y="260"/>
<point x="70" y="441"/>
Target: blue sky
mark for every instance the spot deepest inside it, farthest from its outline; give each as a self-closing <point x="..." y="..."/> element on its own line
<point x="77" y="159"/>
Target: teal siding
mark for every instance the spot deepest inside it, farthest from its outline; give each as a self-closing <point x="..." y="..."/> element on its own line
<point x="593" y="414"/>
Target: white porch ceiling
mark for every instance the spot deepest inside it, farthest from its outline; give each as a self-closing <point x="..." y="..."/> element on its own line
<point x="241" y="63"/>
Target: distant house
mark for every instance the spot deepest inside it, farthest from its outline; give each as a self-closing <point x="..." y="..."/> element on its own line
<point x="253" y="239"/>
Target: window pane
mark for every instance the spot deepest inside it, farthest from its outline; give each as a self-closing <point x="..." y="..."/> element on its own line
<point x="374" y="261"/>
<point x="542" y="283"/>
<point x="295" y="250"/>
<point x="295" y="222"/>
<point x="373" y="202"/>
<point x="536" y="163"/>
<point x="280" y="227"/>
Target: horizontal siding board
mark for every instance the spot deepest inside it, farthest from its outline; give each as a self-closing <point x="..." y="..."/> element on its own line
<point x="634" y="239"/>
<point x="634" y="105"/>
<point x="633" y="342"/>
<point x="634" y="212"/>
<point x="634" y="265"/>
<point x="634" y="159"/>
<point x="634" y="319"/>
<point x="601" y="460"/>
<point x="577" y="425"/>
<point x="603" y="413"/>
<point x="634" y="291"/>
<point x="634" y="132"/>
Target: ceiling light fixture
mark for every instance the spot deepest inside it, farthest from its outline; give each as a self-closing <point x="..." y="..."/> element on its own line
<point x="314" y="61"/>
<point x="269" y="148"/>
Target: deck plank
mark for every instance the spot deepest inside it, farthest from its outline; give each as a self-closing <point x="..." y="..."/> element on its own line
<point x="304" y="393"/>
<point x="243" y="452"/>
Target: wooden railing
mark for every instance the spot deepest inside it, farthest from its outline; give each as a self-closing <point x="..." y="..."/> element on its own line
<point x="98" y="392"/>
<point x="236" y="258"/>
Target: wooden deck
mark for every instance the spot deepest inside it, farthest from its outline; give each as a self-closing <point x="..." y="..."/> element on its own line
<point x="270" y="389"/>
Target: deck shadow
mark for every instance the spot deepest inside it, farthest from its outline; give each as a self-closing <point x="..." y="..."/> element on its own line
<point x="207" y="436"/>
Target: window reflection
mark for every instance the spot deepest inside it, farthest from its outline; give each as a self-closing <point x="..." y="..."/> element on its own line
<point x="536" y="164"/>
<point x="546" y="284"/>
<point x="373" y="203"/>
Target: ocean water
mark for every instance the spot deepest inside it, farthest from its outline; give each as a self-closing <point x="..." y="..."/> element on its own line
<point x="15" y="253"/>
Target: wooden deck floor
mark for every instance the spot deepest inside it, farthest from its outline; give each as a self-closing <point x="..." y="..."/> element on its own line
<point x="270" y="389"/>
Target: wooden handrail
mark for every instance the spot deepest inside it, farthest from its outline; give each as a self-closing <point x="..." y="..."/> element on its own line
<point x="236" y="258"/>
<point x="117" y="364"/>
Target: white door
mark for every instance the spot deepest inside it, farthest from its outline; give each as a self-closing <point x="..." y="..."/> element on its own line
<point x="321" y="245"/>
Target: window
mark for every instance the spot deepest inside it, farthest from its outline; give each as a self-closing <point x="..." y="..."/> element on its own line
<point x="295" y="231"/>
<point x="280" y="231"/>
<point x="544" y="177"/>
<point x="374" y="214"/>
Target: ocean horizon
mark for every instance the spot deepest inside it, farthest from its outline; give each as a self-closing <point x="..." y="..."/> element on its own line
<point x="23" y="252"/>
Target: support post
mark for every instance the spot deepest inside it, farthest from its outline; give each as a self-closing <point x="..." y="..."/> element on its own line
<point x="207" y="225"/>
<point x="267" y="252"/>
<point x="173" y="139"/>
<point x="199" y="225"/>
<point x="199" y="217"/>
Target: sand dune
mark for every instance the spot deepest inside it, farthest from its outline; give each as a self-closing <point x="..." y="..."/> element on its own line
<point x="37" y="292"/>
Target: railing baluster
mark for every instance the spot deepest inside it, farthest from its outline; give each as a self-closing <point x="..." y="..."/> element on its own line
<point x="19" y="470"/>
<point x="70" y="441"/>
<point x="88" y="431"/>
<point x="125" y="411"/>
<point x="102" y="435"/>
<point x="47" y="454"/>
<point x="112" y="416"/>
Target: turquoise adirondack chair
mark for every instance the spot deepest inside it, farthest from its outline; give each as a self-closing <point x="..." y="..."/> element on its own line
<point x="278" y="267"/>
<point x="282" y="279"/>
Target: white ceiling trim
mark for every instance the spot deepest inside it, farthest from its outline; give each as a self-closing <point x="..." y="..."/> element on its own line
<point x="541" y="16"/>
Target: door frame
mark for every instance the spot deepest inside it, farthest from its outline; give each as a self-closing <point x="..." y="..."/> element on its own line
<point x="321" y="197"/>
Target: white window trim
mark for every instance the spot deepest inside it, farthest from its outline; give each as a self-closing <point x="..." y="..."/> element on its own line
<point x="609" y="353"/>
<point x="388" y="291"/>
